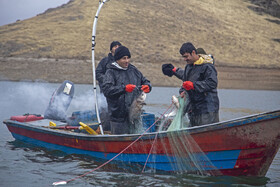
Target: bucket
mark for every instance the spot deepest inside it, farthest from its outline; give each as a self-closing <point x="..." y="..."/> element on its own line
<point x="148" y="119"/>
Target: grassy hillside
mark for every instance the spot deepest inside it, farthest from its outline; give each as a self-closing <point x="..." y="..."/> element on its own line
<point x="238" y="33"/>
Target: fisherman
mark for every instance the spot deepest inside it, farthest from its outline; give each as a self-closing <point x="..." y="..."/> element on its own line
<point x="100" y="72"/>
<point x="123" y="83"/>
<point x="199" y="86"/>
<point x="102" y="66"/>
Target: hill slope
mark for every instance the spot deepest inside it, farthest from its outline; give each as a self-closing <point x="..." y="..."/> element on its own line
<point x="238" y="33"/>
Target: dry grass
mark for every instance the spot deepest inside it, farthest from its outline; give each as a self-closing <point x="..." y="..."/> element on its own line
<point x="153" y="30"/>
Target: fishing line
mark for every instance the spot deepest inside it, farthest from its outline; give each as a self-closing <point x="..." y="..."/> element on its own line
<point x="153" y="146"/>
<point x="150" y="152"/>
<point x="154" y="141"/>
<point x="65" y="182"/>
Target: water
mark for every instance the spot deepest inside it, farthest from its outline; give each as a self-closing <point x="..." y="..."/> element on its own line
<point x="22" y="164"/>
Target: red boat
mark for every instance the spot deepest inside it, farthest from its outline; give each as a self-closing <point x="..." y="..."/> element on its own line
<point x="241" y="147"/>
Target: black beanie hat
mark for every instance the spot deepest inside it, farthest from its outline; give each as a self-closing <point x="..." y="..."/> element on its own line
<point x="121" y="52"/>
<point x="114" y="43"/>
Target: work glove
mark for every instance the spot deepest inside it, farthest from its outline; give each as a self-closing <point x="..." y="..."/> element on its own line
<point x="188" y="85"/>
<point x="167" y="69"/>
<point x="145" y="88"/>
<point x="129" y="87"/>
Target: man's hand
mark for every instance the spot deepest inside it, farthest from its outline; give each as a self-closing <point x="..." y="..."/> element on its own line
<point x="129" y="87"/>
<point x="168" y="69"/>
<point x="146" y="88"/>
<point x="188" y="85"/>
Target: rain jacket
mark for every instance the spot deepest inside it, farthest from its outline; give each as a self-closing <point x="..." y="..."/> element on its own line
<point x="102" y="67"/>
<point x="204" y="98"/>
<point x="115" y="80"/>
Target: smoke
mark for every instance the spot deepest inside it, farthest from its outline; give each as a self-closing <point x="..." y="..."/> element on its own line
<point x="18" y="98"/>
<point x="24" y="97"/>
<point x="86" y="101"/>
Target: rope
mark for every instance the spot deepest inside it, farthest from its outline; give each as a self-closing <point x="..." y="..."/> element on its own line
<point x="150" y="152"/>
<point x="65" y="182"/>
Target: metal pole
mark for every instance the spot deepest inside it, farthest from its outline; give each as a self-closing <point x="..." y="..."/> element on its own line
<point x="93" y="62"/>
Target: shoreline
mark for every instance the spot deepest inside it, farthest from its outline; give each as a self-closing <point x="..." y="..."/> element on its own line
<point x="80" y="72"/>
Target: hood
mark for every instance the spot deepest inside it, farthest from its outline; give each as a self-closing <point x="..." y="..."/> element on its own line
<point x="203" y="59"/>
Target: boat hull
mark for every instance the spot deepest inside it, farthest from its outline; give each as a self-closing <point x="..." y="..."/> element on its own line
<point x="240" y="147"/>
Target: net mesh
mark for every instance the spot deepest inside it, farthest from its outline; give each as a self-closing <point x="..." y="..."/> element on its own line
<point x="183" y="152"/>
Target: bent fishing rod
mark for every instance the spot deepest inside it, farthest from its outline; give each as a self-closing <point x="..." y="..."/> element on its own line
<point x="101" y="3"/>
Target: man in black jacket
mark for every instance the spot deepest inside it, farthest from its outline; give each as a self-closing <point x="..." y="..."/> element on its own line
<point x="199" y="86"/>
<point x="102" y="66"/>
<point x="122" y="84"/>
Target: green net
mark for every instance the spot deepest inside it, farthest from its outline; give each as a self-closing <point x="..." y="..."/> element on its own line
<point x="178" y="121"/>
<point x="184" y="153"/>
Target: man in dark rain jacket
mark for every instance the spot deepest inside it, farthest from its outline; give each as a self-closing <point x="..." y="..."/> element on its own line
<point x="200" y="84"/>
<point x="102" y="66"/>
<point x="120" y="87"/>
<point x="100" y="73"/>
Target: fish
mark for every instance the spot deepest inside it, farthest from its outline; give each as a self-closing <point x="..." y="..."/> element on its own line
<point x="175" y="102"/>
<point x="135" y="111"/>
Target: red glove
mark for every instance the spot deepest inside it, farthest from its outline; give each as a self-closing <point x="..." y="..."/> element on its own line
<point x="188" y="85"/>
<point x="174" y="69"/>
<point x="129" y="87"/>
<point x="145" y="88"/>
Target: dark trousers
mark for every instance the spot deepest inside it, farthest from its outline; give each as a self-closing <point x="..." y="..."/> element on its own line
<point x="202" y="119"/>
<point x="119" y="127"/>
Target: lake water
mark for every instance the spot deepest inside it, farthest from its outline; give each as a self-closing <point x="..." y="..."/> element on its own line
<point x="26" y="165"/>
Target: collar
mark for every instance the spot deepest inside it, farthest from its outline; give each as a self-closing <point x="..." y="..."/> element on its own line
<point x="118" y="66"/>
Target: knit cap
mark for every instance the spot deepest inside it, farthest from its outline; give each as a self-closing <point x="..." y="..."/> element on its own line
<point x="121" y="52"/>
<point x="114" y="43"/>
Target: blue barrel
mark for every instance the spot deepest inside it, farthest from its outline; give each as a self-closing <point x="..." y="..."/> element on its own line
<point x="148" y="119"/>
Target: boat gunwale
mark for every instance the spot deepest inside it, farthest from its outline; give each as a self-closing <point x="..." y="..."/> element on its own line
<point x="151" y="135"/>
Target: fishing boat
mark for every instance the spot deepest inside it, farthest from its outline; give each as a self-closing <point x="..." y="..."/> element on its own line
<point x="240" y="147"/>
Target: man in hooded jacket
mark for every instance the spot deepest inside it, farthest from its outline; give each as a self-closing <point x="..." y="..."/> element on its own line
<point x="199" y="85"/>
<point x="103" y="64"/>
<point x="122" y="84"/>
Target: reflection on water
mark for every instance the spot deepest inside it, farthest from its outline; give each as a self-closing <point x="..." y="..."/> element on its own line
<point x="25" y="165"/>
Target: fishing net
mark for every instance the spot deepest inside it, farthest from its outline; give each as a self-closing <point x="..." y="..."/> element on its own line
<point x="179" y="121"/>
<point x="182" y="151"/>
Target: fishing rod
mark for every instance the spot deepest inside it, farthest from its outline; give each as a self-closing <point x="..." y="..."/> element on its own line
<point x="101" y="3"/>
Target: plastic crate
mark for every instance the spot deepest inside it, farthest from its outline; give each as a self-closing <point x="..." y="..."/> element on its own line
<point x="148" y="119"/>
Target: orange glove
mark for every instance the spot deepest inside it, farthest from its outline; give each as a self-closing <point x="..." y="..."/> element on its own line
<point x="145" y="88"/>
<point x="188" y="85"/>
<point x="129" y="87"/>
